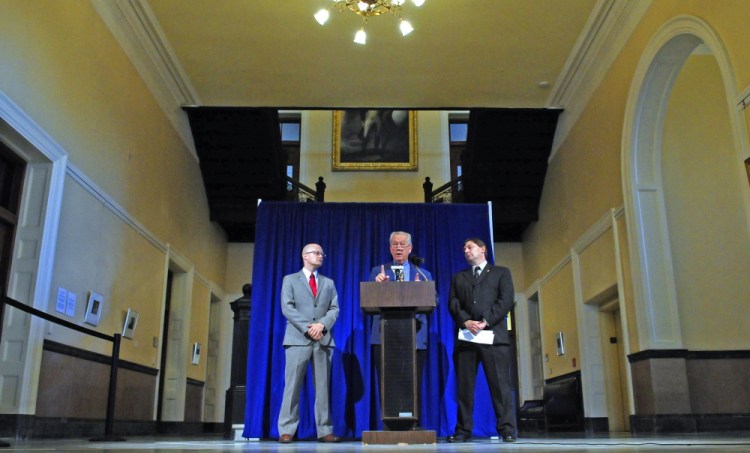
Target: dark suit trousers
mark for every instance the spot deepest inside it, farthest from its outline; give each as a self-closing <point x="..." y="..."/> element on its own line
<point x="495" y="360"/>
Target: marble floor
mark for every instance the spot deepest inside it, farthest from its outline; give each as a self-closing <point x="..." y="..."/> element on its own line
<point x="568" y="443"/>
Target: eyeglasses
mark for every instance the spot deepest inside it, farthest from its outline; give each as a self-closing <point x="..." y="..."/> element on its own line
<point x="315" y="252"/>
<point x="397" y="245"/>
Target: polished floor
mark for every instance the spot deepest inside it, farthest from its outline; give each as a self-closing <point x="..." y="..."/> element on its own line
<point x="568" y="443"/>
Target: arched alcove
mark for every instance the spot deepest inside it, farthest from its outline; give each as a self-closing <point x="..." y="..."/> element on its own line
<point x="655" y="292"/>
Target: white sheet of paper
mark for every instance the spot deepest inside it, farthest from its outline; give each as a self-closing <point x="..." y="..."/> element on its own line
<point x="483" y="337"/>
<point x="62" y="297"/>
<point x="70" y="304"/>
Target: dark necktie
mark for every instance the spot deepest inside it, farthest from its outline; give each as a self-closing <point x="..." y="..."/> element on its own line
<point x="476" y="272"/>
<point x="313" y="285"/>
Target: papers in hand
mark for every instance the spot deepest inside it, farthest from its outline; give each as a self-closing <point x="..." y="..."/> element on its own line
<point x="482" y="337"/>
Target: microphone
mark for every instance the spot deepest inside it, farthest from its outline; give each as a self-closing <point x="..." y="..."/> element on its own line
<point x="398" y="270"/>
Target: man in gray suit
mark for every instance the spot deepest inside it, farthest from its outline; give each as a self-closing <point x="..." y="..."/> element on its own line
<point x="310" y="304"/>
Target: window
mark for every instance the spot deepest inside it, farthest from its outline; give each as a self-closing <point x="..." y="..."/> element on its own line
<point x="458" y="128"/>
<point x="291" y="125"/>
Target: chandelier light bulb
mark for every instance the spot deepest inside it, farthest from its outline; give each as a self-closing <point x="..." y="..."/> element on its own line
<point x="322" y="16"/>
<point x="360" y="37"/>
<point x="366" y="9"/>
<point x="405" y="27"/>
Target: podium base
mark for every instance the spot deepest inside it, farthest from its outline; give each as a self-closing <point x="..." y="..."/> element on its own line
<point x="398" y="437"/>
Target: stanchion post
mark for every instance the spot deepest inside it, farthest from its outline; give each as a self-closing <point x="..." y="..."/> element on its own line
<point x="2" y="320"/>
<point x="109" y="424"/>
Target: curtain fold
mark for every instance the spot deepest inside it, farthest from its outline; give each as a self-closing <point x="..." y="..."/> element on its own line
<point x="354" y="237"/>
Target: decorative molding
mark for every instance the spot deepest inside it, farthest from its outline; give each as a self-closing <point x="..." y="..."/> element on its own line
<point x="657" y="354"/>
<point x="743" y="99"/>
<point x="91" y="187"/>
<point x="565" y="260"/>
<point x="136" y="29"/>
<point x="601" y="226"/>
<point x="606" y="32"/>
<point x="688" y="355"/>
<point x="71" y="351"/>
<point x="195" y="382"/>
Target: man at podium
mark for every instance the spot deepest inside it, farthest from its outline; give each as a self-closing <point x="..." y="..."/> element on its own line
<point x="403" y="267"/>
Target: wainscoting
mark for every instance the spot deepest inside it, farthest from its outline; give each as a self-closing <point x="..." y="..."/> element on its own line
<point x="73" y="392"/>
<point x="681" y="391"/>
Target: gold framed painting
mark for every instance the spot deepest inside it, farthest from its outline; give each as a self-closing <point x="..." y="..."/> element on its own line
<point x="374" y="139"/>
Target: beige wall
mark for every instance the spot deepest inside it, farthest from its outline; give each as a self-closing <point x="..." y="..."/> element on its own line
<point x="703" y="192"/>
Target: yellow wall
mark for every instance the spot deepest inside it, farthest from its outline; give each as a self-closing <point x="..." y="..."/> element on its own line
<point x="199" y="315"/>
<point x="558" y="314"/>
<point x="584" y="179"/>
<point x="63" y="68"/>
<point x="97" y="252"/>
<point x="597" y="266"/>
<point x="703" y="195"/>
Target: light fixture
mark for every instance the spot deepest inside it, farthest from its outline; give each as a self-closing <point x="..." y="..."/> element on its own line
<point x="367" y="9"/>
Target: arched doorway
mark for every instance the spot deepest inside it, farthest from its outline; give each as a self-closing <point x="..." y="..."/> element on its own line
<point x="652" y="238"/>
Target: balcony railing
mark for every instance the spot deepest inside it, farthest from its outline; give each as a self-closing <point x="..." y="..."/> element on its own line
<point x="450" y="192"/>
<point x="296" y="191"/>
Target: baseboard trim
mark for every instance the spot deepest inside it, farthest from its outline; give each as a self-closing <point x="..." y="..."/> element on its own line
<point x="689" y="423"/>
<point x="32" y="427"/>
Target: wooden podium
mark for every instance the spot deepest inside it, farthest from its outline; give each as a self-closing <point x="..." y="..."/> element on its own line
<point x="397" y="303"/>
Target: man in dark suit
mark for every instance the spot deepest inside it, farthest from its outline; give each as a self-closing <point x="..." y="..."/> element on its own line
<point x="401" y="268"/>
<point x="480" y="299"/>
<point x="310" y="304"/>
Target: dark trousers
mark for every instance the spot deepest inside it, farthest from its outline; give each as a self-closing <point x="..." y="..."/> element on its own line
<point x="421" y="355"/>
<point x="495" y="360"/>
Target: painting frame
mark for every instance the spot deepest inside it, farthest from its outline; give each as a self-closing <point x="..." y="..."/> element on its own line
<point x="94" y="309"/>
<point x="395" y="148"/>
<point x="131" y="322"/>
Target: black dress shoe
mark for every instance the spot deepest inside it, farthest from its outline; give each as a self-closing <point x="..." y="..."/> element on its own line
<point x="509" y="438"/>
<point x="457" y="438"/>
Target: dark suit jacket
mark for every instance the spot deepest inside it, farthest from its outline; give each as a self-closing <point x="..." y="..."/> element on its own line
<point x="490" y="298"/>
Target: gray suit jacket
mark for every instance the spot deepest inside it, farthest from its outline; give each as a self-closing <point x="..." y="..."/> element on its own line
<point x="300" y="308"/>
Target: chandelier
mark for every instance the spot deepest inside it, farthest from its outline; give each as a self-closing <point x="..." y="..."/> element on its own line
<point x="367" y="9"/>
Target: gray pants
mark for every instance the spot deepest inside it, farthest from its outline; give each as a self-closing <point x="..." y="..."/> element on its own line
<point x="297" y="358"/>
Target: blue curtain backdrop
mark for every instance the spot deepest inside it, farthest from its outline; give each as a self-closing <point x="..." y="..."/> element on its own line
<point x="354" y="237"/>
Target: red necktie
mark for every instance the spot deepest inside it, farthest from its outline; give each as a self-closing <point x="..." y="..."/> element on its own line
<point x="313" y="285"/>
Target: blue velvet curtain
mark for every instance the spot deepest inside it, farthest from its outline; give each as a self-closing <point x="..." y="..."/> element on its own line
<point x="354" y="237"/>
